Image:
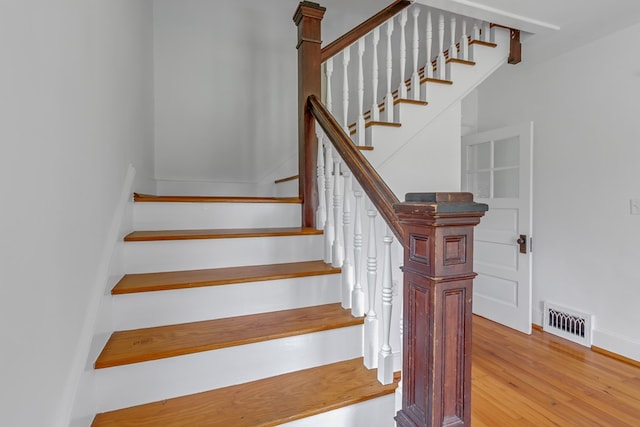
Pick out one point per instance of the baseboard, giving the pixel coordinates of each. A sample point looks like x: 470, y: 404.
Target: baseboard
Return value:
x: 94, y: 321
x: 611, y: 344
x: 616, y: 347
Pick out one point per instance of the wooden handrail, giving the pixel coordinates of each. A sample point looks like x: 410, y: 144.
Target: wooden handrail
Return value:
x: 363, y: 29
x: 373, y: 185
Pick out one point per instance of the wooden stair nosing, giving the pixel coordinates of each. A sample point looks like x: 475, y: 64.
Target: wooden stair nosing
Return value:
x: 171, y: 280
x: 266, y: 402
x: 145, y: 344
x: 148, y: 198
x: 222, y: 233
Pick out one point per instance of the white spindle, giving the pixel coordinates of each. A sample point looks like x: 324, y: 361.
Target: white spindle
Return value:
x: 464, y: 42
x: 428, y: 66
x: 375, y: 111
x: 337, y: 254
x: 346, y: 57
x: 360, y: 123
x: 402, y: 89
x: 357, y: 299
x: 385, y: 358
x: 440, y: 63
x: 388, y: 99
x: 321, y: 210
x: 347, y: 265
x: 328, y: 69
x: 398, y: 393
x: 453, y: 50
x: 486, y: 32
x: 475, y: 33
x: 329, y: 228
x: 371, y: 321
x: 415, y: 78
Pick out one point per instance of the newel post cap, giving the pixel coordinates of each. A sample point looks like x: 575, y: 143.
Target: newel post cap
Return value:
x: 439, y: 205
x: 310, y: 9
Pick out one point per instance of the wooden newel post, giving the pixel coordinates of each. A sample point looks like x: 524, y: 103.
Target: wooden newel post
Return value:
x: 308, y: 19
x: 438, y: 277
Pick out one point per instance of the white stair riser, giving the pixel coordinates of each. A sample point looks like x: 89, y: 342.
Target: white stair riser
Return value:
x: 147, y: 309
x: 174, y: 255
x: 138, y: 383
x: 189, y: 216
x: 377, y: 412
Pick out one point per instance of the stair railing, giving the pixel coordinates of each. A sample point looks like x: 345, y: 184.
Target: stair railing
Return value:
x: 430, y: 53
x: 435, y: 230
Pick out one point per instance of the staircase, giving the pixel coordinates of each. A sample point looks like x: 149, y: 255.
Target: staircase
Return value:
x: 231, y: 314
x: 234, y: 326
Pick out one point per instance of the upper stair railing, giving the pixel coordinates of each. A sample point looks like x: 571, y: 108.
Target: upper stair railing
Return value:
x: 434, y: 229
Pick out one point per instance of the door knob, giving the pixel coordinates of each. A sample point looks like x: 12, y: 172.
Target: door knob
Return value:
x: 522, y: 241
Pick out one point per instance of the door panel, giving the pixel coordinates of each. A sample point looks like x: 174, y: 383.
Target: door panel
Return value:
x: 497, y: 168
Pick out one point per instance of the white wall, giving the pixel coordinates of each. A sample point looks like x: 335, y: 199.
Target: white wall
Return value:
x: 226, y: 90
x: 75, y: 112
x: 586, y: 150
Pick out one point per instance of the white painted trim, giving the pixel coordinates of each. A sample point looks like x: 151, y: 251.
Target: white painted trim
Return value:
x: 82, y: 350
x: 492, y: 14
x: 616, y: 344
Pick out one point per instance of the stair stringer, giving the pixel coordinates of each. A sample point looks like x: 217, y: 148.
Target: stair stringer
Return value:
x: 415, y: 119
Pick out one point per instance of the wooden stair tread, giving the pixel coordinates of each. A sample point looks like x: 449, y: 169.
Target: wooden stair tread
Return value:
x: 214, y: 199
x: 162, y: 281
x: 151, y: 235
x: 139, y: 345
x: 267, y: 402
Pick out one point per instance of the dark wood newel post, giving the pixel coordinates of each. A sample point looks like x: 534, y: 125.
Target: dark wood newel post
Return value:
x: 438, y: 277
x: 308, y: 19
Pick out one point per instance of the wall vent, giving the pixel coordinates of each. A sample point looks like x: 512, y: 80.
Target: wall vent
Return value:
x: 567, y: 323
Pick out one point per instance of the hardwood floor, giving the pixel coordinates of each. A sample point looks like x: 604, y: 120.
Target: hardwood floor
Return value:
x: 542, y: 380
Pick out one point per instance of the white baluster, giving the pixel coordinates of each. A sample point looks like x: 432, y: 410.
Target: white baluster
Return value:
x: 321, y: 210
x: 385, y: 358
x: 440, y: 62
x: 415, y: 78
x: 347, y: 265
x: 464, y: 42
x: 357, y: 299
x: 402, y: 89
x: 486, y: 32
x: 329, y: 227
x: 360, y: 124
x: 375, y: 111
x: 428, y: 66
x: 398, y: 393
x: 346, y: 57
x: 328, y: 69
x: 337, y: 254
x: 453, y: 50
x: 371, y: 321
x: 388, y: 99
x: 475, y: 35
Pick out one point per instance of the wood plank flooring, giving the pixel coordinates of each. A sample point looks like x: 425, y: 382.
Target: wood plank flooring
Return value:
x: 146, y: 282
x: 541, y: 380
x: 224, y: 233
x: 262, y: 403
x: 159, y: 342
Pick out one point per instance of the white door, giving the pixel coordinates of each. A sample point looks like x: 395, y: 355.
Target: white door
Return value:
x: 497, y: 168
